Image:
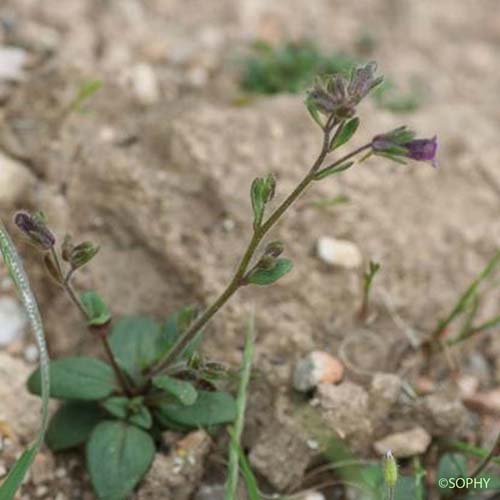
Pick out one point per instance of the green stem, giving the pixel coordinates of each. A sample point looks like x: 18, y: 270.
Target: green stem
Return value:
x: 484, y: 463
x: 258, y: 235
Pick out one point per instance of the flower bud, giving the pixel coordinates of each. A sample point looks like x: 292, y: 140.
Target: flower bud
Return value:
x: 82, y: 253
x: 390, y: 467
x: 33, y: 226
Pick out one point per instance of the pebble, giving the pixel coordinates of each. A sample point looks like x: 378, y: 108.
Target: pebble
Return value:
x: 12, y: 320
x: 341, y: 253
x: 30, y: 353
x: 15, y: 180
x: 404, y: 444
x: 211, y: 492
x: 316, y: 368
x: 485, y: 402
x: 142, y: 78
x: 12, y: 61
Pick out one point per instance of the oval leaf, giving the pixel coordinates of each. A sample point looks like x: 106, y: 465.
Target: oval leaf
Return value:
x: 97, y: 310
x: 137, y: 342
x: 118, y: 455
x: 77, y: 378
x: 268, y: 276
x: 345, y: 134
x: 210, y: 408
x: 183, y: 391
x: 72, y: 424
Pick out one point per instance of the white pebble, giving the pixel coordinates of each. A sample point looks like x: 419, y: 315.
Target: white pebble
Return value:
x: 144, y: 83
x: 340, y: 253
x: 31, y: 353
x: 316, y: 368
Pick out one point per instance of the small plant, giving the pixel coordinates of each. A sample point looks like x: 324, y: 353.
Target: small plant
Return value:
x: 155, y: 377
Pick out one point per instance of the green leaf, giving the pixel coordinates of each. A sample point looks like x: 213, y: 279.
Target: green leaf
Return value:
x: 142, y: 418
x: 118, y: 456
x: 345, y: 133
x: 268, y: 276
x: 18, y: 275
x: 210, y: 408
x: 451, y: 466
x: 137, y: 342
x: 72, y: 424
x: 333, y: 170
x: 16, y: 475
x: 261, y: 192
x: 132, y: 410
x: 313, y: 111
x: 77, y: 378
x: 117, y: 406
x: 183, y: 391
x: 97, y: 310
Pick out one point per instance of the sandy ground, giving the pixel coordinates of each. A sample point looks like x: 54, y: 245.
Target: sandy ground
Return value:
x: 158, y: 170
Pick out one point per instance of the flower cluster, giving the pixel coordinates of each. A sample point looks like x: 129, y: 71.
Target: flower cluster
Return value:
x: 335, y: 94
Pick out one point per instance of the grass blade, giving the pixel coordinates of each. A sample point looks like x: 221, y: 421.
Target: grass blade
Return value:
x: 235, y: 453
x: 18, y: 275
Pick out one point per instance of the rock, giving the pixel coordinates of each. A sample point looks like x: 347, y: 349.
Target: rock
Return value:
x: 30, y: 353
x: 281, y: 440
x: 12, y: 61
x: 404, y: 444
x: 468, y: 385
x: 484, y: 402
x: 384, y: 392
x: 144, y: 83
x: 444, y: 416
x: 316, y: 368
x: 345, y: 409
x: 341, y: 253
x: 12, y: 320
x: 175, y: 476
x: 212, y: 492
x: 15, y: 181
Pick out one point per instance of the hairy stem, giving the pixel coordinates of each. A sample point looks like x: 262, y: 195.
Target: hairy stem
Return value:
x: 259, y: 233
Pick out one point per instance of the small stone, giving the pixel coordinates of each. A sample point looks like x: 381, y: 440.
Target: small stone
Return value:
x: 3, y: 470
x: 345, y: 409
x: 318, y: 367
x: 445, y: 416
x: 404, y: 444
x: 15, y: 180
x: 341, y: 253
x: 484, y: 402
x: 12, y: 321
x: 468, y: 385
x: 144, y: 83
x: 30, y: 353
x: 41, y: 490
x: 211, y: 492
x: 12, y: 61
x: 384, y: 393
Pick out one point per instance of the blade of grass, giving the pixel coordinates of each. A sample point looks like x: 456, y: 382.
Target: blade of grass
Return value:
x: 235, y: 449
x: 18, y: 275
x: 246, y: 471
x: 464, y: 299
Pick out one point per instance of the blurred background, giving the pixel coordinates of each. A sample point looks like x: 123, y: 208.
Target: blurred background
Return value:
x: 141, y: 124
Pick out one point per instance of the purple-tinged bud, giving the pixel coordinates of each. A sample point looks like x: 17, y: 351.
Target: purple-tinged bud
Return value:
x: 401, y: 143
x: 34, y: 227
x: 423, y: 150
x: 363, y: 81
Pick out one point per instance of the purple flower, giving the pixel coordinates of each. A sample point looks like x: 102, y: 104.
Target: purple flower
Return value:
x: 422, y: 150
x: 401, y: 143
x: 34, y: 227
